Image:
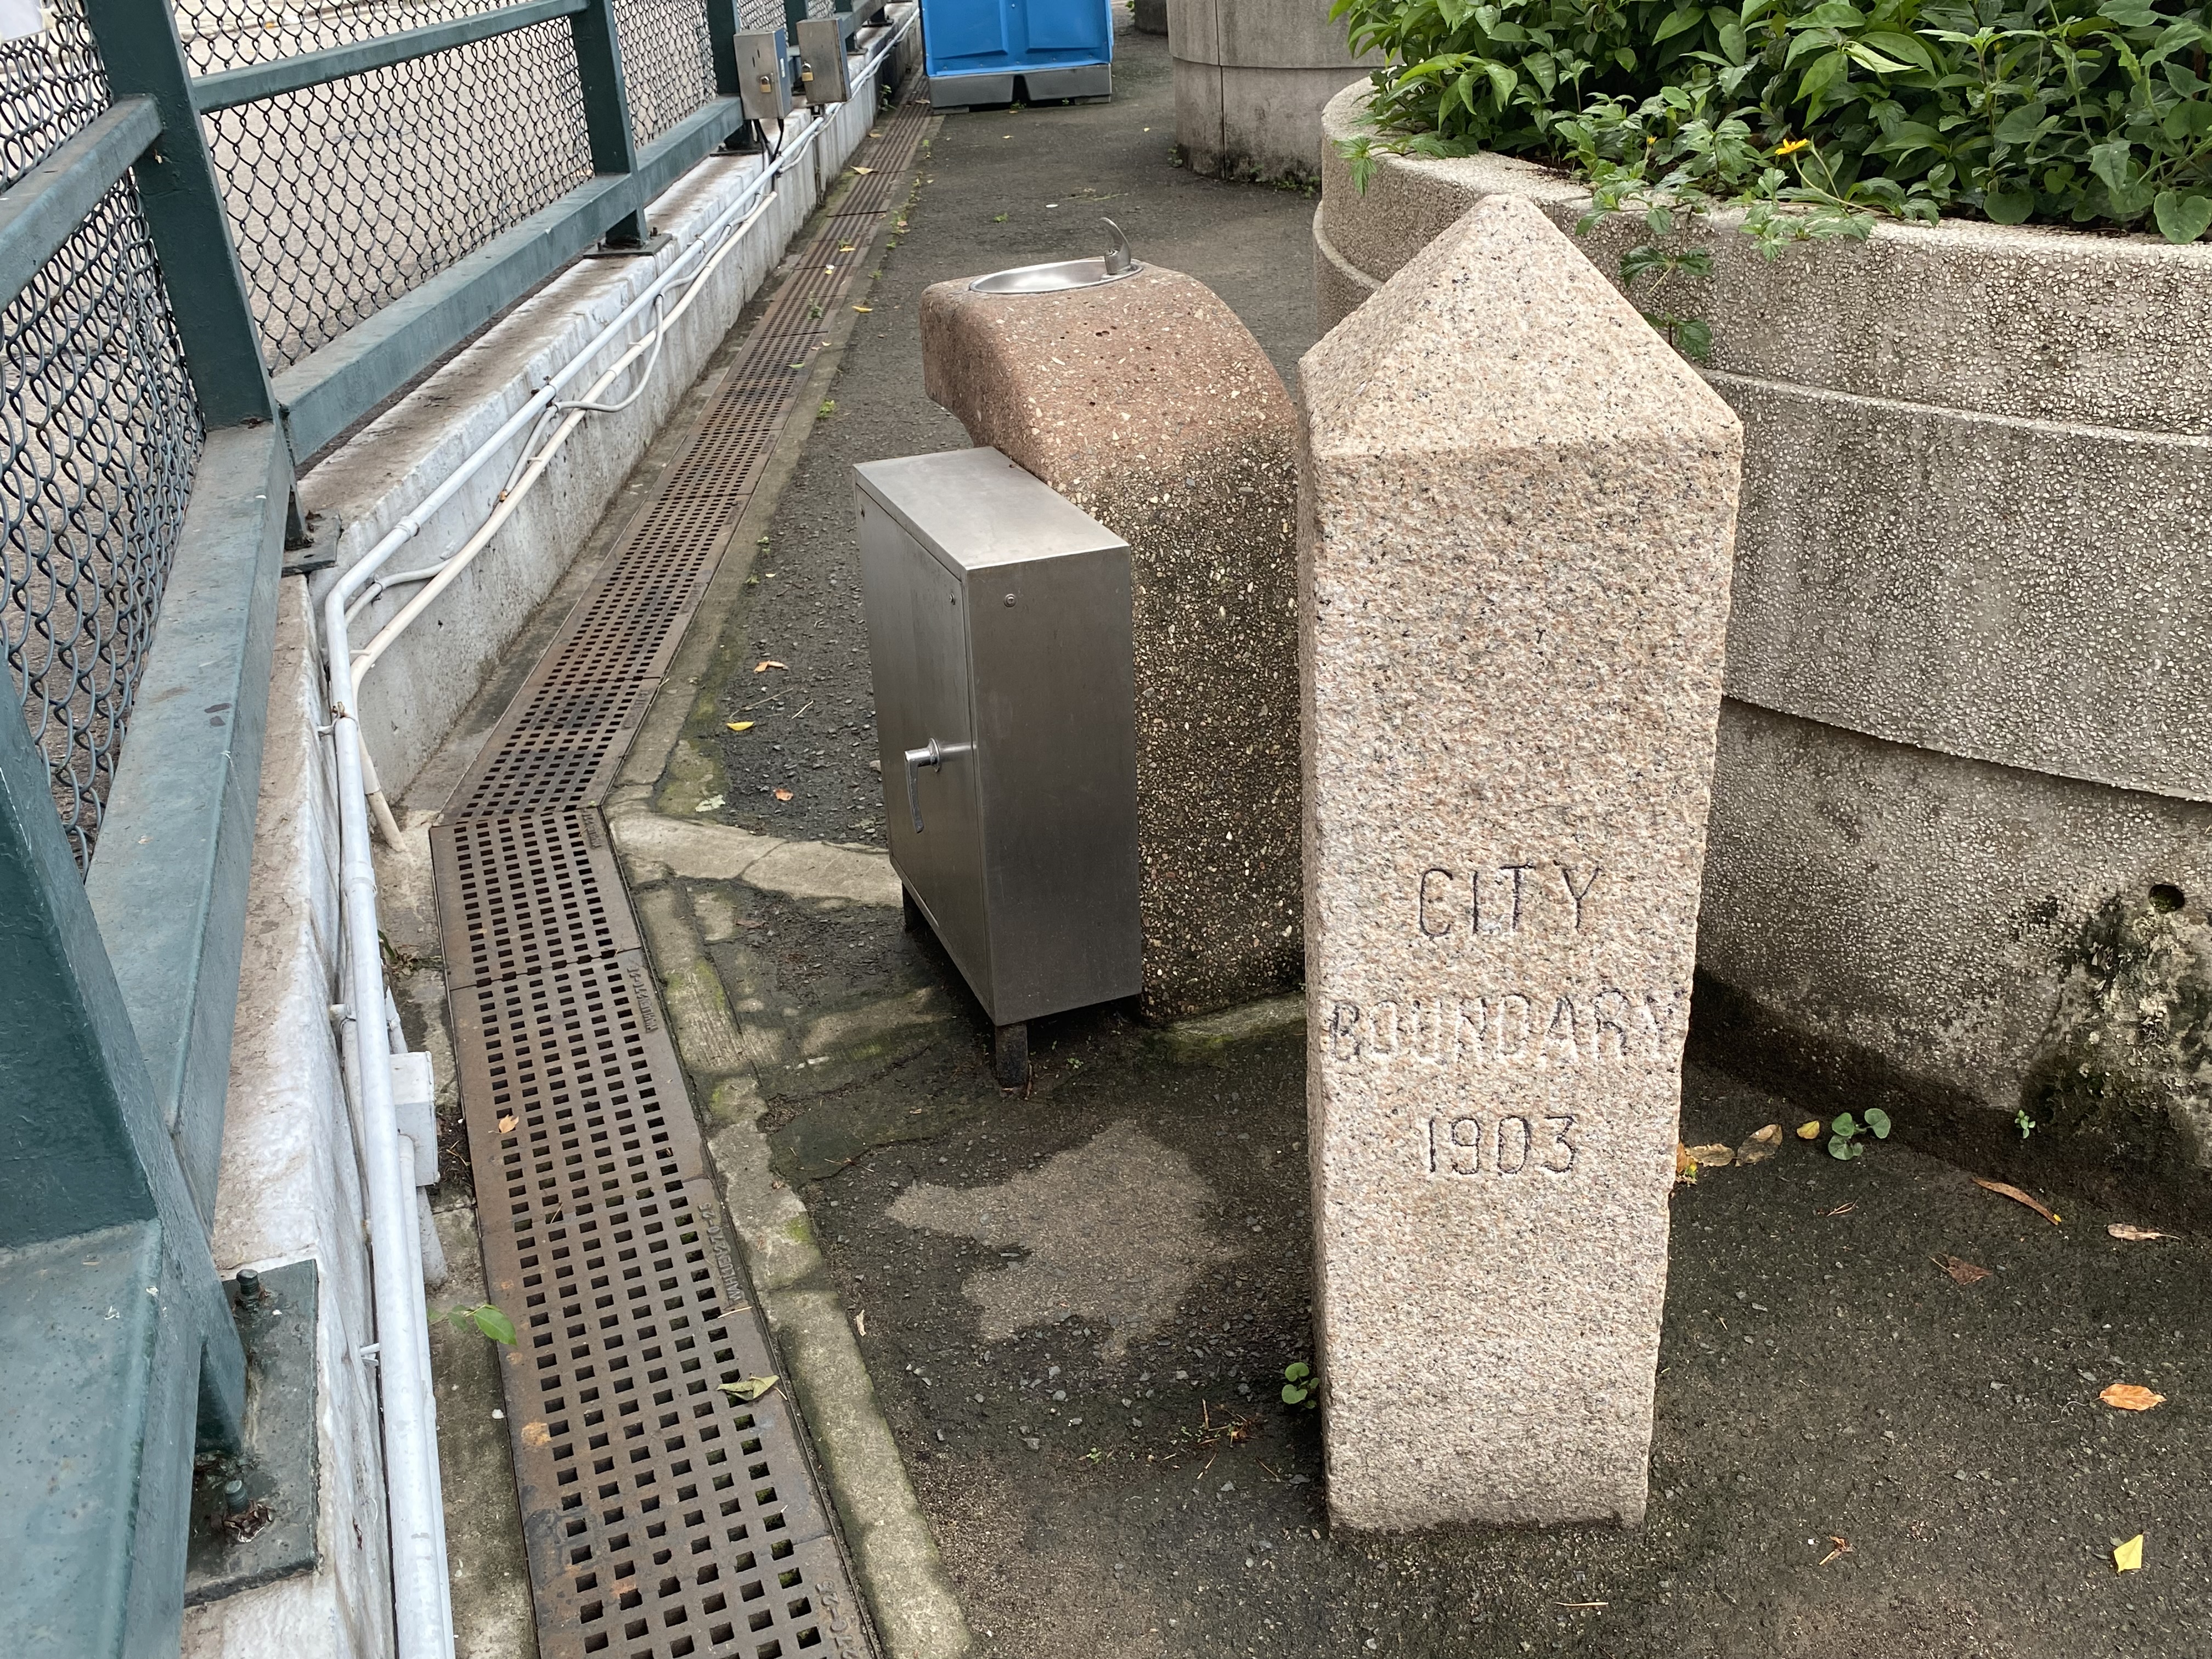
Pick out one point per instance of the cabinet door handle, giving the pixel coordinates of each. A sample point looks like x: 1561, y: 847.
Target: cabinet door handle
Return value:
x: 932, y: 754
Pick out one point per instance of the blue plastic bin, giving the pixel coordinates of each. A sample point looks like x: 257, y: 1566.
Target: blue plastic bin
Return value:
x: 974, y: 50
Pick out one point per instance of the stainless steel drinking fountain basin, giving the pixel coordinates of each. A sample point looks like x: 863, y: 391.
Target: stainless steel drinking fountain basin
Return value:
x: 1062, y: 274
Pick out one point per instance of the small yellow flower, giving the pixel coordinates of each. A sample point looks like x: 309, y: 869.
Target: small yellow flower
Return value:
x: 1793, y: 147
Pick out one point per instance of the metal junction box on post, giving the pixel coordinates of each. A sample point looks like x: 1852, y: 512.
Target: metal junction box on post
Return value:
x: 764, y: 74
x: 999, y: 628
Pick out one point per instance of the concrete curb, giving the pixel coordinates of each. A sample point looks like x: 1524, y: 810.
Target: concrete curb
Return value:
x: 1214, y: 1036
x: 892, y: 1551
x: 657, y: 845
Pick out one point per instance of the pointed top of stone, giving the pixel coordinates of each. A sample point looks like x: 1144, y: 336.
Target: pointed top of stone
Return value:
x: 1500, y: 334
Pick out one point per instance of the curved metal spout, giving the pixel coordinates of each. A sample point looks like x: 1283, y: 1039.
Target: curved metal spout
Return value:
x: 1118, y: 262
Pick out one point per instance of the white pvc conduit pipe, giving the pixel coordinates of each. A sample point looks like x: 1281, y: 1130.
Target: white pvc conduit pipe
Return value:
x: 421, y: 1591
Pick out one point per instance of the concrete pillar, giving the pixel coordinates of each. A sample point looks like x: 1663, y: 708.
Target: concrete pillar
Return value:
x: 1250, y: 79
x: 1515, y: 523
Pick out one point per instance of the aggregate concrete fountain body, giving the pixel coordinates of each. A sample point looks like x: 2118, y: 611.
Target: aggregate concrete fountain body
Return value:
x: 1145, y: 401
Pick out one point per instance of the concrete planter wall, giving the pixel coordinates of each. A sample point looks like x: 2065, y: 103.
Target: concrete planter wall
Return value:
x: 1250, y: 79
x: 1962, y: 836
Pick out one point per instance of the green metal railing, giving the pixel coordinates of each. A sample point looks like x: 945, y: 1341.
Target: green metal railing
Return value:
x: 119, y: 980
x: 148, y: 455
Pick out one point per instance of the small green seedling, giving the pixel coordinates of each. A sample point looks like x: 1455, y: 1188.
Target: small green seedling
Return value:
x: 750, y: 1389
x: 1844, y: 1133
x: 829, y: 407
x: 1301, y: 1386
x: 484, y: 1316
x: 2027, y: 1125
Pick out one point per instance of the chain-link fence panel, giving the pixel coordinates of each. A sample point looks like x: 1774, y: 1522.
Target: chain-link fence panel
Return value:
x: 344, y: 197
x: 668, y: 68
x: 99, y: 434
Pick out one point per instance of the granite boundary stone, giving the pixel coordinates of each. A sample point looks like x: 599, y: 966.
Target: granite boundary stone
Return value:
x: 1149, y: 405
x: 1514, y: 570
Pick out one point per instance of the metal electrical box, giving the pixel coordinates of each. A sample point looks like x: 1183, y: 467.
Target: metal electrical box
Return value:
x: 822, y: 76
x: 999, y: 630
x: 764, y: 74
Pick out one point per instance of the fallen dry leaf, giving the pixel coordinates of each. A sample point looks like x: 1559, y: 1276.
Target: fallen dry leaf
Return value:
x: 2123, y: 1230
x: 783, y: 794
x: 1685, y: 1167
x: 506, y: 1123
x: 2006, y: 1189
x: 767, y: 662
x: 1761, y: 1146
x: 861, y: 1322
x: 749, y: 1390
x: 1965, y: 1273
x: 864, y: 308
x: 1809, y: 1131
x: 1840, y: 1209
x: 1713, y: 1156
x: 536, y: 1434
x: 864, y: 170
x: 2130, y: 1397
x: 1843, y: 1547
x: 2128, y: 1557
x: 738, y: 726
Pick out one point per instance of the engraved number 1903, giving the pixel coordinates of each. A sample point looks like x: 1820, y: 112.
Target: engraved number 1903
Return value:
x: 1472, y: 1146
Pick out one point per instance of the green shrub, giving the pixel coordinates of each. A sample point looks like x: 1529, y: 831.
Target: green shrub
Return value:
x: 2056, y: 111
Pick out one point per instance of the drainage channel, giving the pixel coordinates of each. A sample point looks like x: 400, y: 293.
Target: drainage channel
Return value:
x: 663, y: 1515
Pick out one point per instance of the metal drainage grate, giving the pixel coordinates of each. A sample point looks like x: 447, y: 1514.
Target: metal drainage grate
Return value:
x: 557, y: 745
x: 528, y: 894
x: 663, y: 1516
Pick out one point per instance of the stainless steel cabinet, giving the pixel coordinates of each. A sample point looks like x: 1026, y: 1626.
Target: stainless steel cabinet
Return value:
x: 999, y: 632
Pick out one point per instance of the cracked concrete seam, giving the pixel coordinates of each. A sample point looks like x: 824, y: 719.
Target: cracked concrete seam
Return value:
x: 893, y: 1552
x: 657, y: 846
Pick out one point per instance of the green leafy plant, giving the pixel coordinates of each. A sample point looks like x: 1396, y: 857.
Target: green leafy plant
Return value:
x: 2027, y: 1125
x: 1301, y: 1385
x: 1814, y: 117
x: 1661, y: 262
x: 483, y: 1316
x: 1844, y: 1133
